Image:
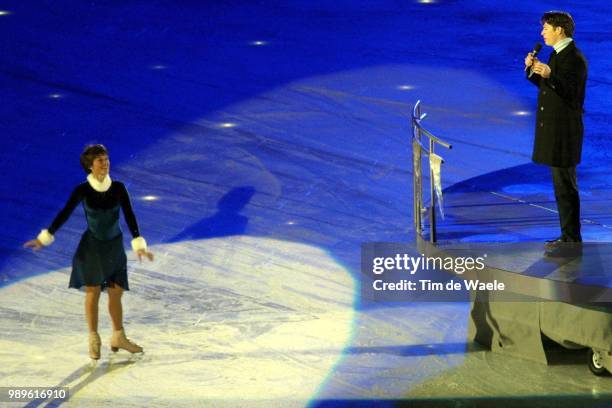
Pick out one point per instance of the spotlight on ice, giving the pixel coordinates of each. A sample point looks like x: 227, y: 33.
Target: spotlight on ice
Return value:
x: 520, y: 113
x: 259, y: 43
x: 405, y: 87
x: 55, y: 96
x: 150, y: 198
x: 227, y: 125
x: 4, y: 12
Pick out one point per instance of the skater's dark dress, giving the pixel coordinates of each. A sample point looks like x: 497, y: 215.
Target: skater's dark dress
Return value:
x: 100, y: 259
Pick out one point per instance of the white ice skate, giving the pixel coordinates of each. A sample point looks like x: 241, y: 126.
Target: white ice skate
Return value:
x: 94, y: 345
x: 119, y: 341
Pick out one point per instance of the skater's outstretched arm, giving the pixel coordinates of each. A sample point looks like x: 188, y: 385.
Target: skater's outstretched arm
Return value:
x: 46, y: 236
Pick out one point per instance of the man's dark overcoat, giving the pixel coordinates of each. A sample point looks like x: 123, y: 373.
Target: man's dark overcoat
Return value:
x: 559, y: 129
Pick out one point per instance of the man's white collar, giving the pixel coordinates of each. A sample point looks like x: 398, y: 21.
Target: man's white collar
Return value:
x: 99, y: 186
x: 561, y: 44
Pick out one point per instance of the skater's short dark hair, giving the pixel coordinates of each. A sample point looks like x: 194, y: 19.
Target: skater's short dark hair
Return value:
x: 89, y: 155
x: 561, y: 19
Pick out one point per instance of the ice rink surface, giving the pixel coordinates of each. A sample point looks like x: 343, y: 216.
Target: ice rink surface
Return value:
x: 262, y: 143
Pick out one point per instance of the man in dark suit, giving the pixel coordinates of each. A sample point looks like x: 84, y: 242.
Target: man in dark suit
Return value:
x: 559, y: 129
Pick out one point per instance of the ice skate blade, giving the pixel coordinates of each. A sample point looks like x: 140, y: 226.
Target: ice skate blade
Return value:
x: 116, y: 349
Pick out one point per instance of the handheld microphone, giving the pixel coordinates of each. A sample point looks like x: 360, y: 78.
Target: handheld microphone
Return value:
x: 534, y: 53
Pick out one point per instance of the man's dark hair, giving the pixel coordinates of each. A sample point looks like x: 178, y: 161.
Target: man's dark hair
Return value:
x: 561, y: 19
x: 89, y: 155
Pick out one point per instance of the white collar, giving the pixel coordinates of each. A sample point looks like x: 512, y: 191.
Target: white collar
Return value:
x: 561, y: 44
x: 99, y: 186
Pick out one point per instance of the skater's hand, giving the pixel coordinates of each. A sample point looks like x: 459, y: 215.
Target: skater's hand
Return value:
x: 145, y: 253
x: 35, y: 244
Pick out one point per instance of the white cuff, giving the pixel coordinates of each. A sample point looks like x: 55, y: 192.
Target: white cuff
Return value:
x: 45, y: 237
x: 138, y: 244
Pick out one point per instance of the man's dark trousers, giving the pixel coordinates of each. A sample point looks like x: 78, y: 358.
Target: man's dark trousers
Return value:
x: 568, y: 202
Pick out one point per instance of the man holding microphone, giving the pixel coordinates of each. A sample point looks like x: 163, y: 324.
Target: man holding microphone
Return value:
x: 559, y: 129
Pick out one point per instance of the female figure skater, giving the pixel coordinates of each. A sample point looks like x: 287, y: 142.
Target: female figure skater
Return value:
x: 100, y: 261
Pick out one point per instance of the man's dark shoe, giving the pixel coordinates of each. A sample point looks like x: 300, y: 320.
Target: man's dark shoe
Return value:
x: 564, y: 250
x: 553, y: 243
